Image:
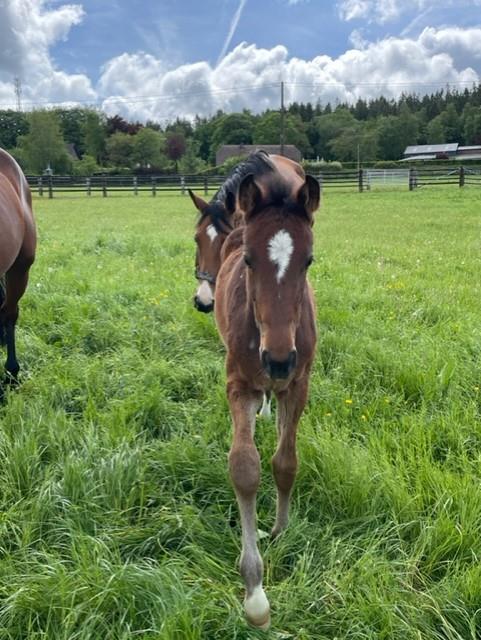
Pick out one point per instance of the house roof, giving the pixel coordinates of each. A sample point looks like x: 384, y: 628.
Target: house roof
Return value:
x: 431, y: 148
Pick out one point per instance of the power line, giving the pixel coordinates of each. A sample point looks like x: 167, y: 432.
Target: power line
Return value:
x: 166, y: 98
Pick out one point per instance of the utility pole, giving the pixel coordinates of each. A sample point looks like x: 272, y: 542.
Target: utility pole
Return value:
x: 282, y: 132
x: 18, y: 92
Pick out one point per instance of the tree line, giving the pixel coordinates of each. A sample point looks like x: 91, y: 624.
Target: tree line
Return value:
x: 85, y: 141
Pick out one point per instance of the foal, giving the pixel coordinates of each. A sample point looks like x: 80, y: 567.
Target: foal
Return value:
x: 266, y: 317
x: 17, y: 251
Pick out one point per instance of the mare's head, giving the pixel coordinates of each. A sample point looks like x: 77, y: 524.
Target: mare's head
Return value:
x: 278, y: 249
x: 213, y: 227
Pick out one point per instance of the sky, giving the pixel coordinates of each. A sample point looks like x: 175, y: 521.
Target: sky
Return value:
x: 164, y: 59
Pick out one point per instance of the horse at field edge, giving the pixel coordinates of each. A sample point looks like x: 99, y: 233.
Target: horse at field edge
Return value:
x: 265, y: 315
x: 17, y: 251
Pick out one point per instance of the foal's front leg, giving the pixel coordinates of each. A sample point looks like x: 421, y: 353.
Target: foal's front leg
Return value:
x: 244, y: 467
x: 290, y: 404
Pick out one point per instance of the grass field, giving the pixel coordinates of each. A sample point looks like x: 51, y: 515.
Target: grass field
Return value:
x: 117, y: 518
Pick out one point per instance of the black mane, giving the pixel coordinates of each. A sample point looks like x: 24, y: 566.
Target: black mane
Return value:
x: 256, y: 163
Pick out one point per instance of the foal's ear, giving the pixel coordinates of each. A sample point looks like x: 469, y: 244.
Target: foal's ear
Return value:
x: 250, y: 195
x: 309, y: 195
x: 230, y: 203
x: 199, y: 203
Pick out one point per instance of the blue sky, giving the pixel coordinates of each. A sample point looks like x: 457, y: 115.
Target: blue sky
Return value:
x: 162, y: 59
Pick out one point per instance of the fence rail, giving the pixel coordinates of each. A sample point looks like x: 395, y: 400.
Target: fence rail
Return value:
x: 360, y: 180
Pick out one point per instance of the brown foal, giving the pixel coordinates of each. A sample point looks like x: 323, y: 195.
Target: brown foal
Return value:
x: 265, y: 314
x: 17, y: 251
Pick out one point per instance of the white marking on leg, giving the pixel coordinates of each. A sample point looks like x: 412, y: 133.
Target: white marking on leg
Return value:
x: 257, y: 608
x: 204, y: 293
x: 280, y: 249
x: 211, y: 232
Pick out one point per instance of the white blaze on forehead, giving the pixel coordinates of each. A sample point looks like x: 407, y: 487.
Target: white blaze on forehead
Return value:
x: 211, y: 232
x: 280, y: 249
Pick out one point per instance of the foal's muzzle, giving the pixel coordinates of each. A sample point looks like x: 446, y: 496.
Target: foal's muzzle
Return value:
x: 278, y: 370
x: 200, y: 306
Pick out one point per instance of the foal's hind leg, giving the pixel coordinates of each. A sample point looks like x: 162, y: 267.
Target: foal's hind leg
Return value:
x: 244, y: 467
x: 290, y: 405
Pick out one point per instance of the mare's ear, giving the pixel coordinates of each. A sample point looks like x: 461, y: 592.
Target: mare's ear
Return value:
x: 309, y: 195
x: 230, y: 203
x: 250, y: 195
x: 199, y: 203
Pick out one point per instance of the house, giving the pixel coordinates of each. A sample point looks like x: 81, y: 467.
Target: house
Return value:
x: 450, y: 151
x: 235, y: 150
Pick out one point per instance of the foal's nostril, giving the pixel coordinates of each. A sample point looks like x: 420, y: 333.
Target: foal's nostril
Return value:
x: 278, y: 369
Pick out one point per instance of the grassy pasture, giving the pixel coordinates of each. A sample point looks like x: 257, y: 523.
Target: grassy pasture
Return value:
x: 117, y: 519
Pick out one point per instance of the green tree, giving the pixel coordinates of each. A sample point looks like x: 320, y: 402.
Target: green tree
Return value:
x: 328, y: 127
x: 435, y: 131
x: 191, y: 162
x: 472, y: 124
x: 43, y: 146
x: 451, y: 124
x: 357, y: 138
x: 95, y: 135
x: 395, y: 133
x: 234, y: 128
x: 148, y: 146
x: 12, y: 125
x: 120, y: 147
x: 267, y: 130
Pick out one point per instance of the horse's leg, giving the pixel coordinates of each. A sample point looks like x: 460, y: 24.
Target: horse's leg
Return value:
x: 290, y: 405
x: 16, y: 281
x: 244, y: 467
x: 2, y: 300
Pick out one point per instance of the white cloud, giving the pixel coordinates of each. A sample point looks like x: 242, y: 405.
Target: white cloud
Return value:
x: 27, y: 30
x: 383, y: 11
x: 248, y: 77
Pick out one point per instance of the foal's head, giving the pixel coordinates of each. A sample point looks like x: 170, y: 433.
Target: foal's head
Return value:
x: 277, y: 252
x: 213, y: 227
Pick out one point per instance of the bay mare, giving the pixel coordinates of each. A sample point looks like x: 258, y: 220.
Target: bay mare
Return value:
x: 17, y: 251
x: 218, y: 218
x: 266, y: 317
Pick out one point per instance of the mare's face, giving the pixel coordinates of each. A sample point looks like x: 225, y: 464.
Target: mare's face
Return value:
x: 277, y: 252
x: 209, y: 239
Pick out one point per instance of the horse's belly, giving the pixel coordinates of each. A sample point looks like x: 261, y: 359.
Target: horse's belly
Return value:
x: 12, y: 228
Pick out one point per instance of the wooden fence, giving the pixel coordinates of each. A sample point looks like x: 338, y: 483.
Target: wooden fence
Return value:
x: 359, y: 180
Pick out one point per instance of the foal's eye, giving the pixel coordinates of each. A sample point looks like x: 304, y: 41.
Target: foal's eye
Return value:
x: 309, y: 261
x: 247, y: 260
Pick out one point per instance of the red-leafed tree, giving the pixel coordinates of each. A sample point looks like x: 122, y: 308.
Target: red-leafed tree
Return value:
x: 175, y: 146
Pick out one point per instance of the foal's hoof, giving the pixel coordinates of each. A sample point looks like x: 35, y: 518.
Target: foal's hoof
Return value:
x: 257, y: 609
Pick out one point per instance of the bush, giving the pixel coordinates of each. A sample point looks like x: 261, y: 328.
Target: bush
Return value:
x: 387, y: 164
x: 311, y: 166
x: 87, y: 166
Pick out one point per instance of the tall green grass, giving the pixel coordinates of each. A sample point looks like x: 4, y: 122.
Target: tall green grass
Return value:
x: 117, y: 518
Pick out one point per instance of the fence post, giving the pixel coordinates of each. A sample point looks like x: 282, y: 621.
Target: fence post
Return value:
x: 135, y: 183
x: 182, y: 185
x: 50, y: 187
x: 40, y: 186
x: 154, y: 188
x: 206, y: 185
x: 360, y: 180
x: 461, y: 176
x: 104, y: 185
x: 411, y: 179
x: 87, y: 184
